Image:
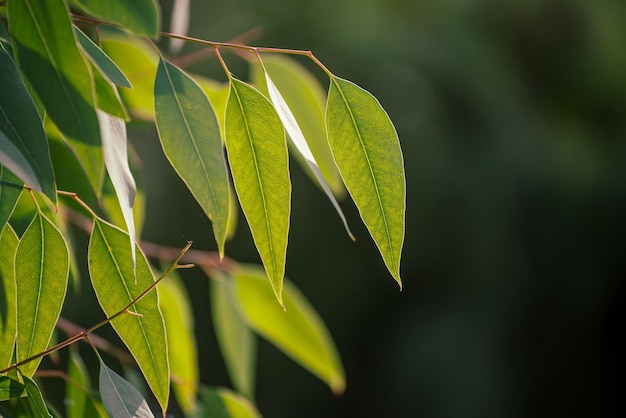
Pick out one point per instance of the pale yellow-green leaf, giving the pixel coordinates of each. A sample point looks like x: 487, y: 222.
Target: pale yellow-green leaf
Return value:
x: 224, y: 403
x: 8, y: 294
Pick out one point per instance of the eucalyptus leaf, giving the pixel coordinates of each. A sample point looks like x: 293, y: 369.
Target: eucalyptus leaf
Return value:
x: 298, y: 330
x: 107, y: 97
x: 101, y: 60
x: 41, y: 269
x: 78, y: 399
x: 116, y: 284
x: 139, y: 16
x: 35, y: 399
x: 10, y: 388
x: 367, y: 151
x: 10, y: 189
x: 120, y: 398
x: 8, y: 294
x: 190, y: 136
x: 23, y: 146
x: 257, y: 153
x: 224, y: 403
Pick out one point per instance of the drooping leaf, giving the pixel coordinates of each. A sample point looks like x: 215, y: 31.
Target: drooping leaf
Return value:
x: 10, y: 189
x: 108, y: 98
x: 101, y: 60
x: 8, y: 295
x: 300, y: 143
x: 181, y: 343
x: 257, y: 153
x: 78, y: 399
x: 114, y: 146
x: 306, y: 98
x: 41, y: 270
x: 23, y: 146
x: 190, y: 136
x: 298, y: 330
x: 367, y: 151
x: 45, y: 47
x: 139, y: 16
x: 224, y: 403
x: 10, y: 388
x: 236, y: 341
x: 35, y: 399
x: 179, y: 24
x: 116, y: 285
x: 120, y: 398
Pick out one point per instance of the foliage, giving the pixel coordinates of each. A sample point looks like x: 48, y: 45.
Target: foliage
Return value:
x: 70, y: 83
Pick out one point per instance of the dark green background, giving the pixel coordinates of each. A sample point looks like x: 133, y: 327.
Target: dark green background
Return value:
x: 511, y: 119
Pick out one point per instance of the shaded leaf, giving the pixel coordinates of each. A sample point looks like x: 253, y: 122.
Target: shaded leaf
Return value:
x: 8, y: 295
x: 224, y: 403
x: 120, y: 398
x: 298, y: 331
x: 78, y: 399
x: 115, y: 149
x: 116, y: 285
x: 10, y: 189
x: 10, y: 388
x: 179, y: 24
x: 42, y: 269
x: 23, y: 145
x: 139, y: 16
x: 45, y: 47
x: 35, y: 399
x: 367, y: 151
x: 190, y: 136
x: 181, y: 343
x: 236, y: 341
x: 101, y: 60
x: 257, y: 153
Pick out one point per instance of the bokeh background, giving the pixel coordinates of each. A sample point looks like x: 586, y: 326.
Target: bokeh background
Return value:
x: 511, y: 116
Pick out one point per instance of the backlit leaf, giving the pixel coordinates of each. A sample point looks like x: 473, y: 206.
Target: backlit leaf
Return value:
x: 367, y: 151
x: 10, y: 190
x: 116, y: 285
x: 257, y: 153
x: 8, y: 295
x: 10, y: 388
x: 107, y: 97
x: 35, y: 399
x: 236, y: 341
x: 45, y: 47
x: 224, y: 403
x: 298, y: 330
x: 139, y: 16
x: 101, y: 60
x: 42, y: 268
x: 190, y: 136
x: 181, y: 343
x: 23, y: 146
x: 120, y: 398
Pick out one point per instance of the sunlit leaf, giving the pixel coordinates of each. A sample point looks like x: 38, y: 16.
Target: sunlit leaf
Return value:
x: 367, y: 151
x: 179, y: 24
x: 236, y: 341
x: 120, y: 399
x: 301, y: 145
x: 257, y: 153
x: 10, y: 189
x: 10, y: 388
x: 298, y: 330
x: 8, y: 295
x: 23, y: 146
x: 217, y: 93
x: 224, y: 403
x: 35, y: 399
x: 101, y: 60
x: 116, y: 285
x: 181, y: 343
x: 139, y: 16
x: 108, y: 98
x: 42, y: 268
x: 190, y: 136
x: 45, y: 47
x: 78, y: 399
x: 306, y: 98
x: 114, y: 146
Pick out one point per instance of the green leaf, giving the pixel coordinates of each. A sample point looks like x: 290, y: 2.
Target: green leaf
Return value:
x: 8, y: 294
x: 115, y: 284
x: 298, y: 331
x: 10, y: 388
x: 78, y: 400
x: 35, y: 399
x: 217, y: 93
x: 190, y: 136
x: 45, y: 47
x: 236, y: 341
x: 181, y: 343
x: 306, y: 98
x: 42, y: 269
x: 257, y: 153
x: 224, y: 403
x: 367, y: 151
x: 139, y: 16
x: 107, y: 97
x: 120, y: 398
x: 101, y: 60
x: 10, y: 189
x: 23, y: 146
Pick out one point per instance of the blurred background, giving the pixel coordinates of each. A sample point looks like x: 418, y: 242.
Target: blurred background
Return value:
x: 511, y: 119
